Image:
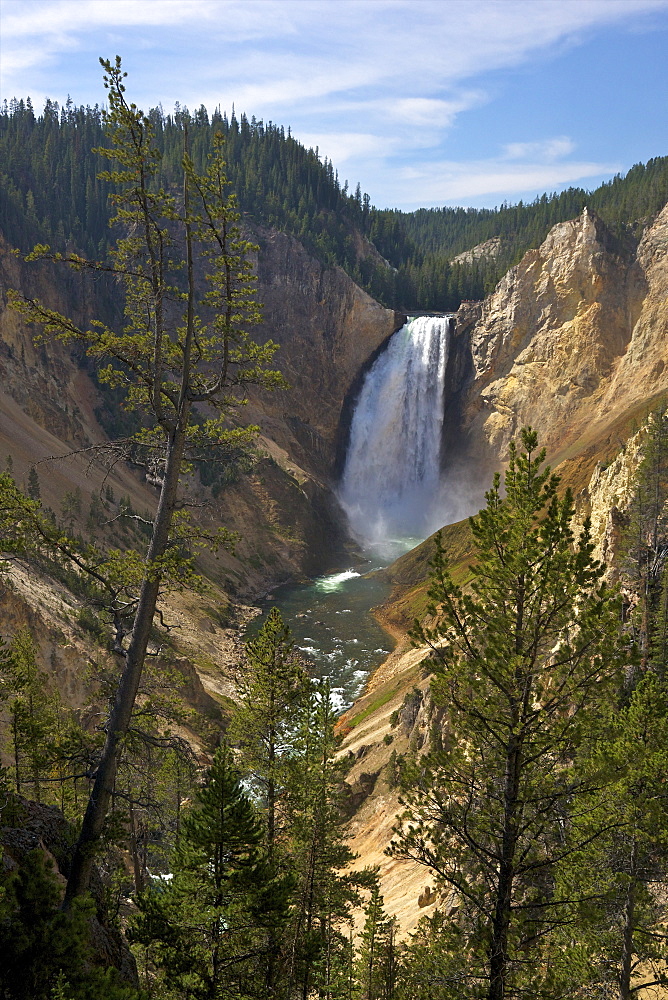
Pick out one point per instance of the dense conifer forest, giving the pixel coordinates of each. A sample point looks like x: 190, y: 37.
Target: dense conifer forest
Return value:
x: 51, y: 193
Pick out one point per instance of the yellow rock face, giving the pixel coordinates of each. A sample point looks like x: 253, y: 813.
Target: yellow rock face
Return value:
x: 573, y: 336
x: 573, y: 341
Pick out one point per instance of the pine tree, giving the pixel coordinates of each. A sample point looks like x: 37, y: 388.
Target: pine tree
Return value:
x: 524, y: 661
x: 165, y: 364
x: 270, y: 689
x: 32, y: 715
x: 376, y: 957
x: 615, y: 938
x: 33, y: 491
x: 646, y: 544
x: 43, y: 739
x: 317, y: 853
x: 283, y: 729
x: 207, y: 927
x: 43, y: 951
x: 434, y: 961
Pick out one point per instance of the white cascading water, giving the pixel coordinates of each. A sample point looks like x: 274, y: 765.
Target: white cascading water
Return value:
x: 391, y: 481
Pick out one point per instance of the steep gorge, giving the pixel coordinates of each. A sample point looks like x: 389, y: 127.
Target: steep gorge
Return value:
x: 282, y: 508
x: 572, y: 341
x: 326, y: 329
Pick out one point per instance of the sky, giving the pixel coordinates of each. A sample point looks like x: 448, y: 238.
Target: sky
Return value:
x: 423, y: 102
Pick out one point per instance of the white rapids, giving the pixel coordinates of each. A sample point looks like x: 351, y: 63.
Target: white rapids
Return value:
x: 390, y: 488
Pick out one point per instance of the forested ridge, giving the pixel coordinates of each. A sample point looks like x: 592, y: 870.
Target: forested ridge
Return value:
x: 51, y: 193
x: 420, y: 244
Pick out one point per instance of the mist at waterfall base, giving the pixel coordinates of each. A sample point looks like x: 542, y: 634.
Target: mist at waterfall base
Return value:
x: 391, y: 487
x: 392, y: 493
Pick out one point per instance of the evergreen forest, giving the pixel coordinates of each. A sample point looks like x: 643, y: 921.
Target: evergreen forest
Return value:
x: 538, y: 804
x: 51, y: 192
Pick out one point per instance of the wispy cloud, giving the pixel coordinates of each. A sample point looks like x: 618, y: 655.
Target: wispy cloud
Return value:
x: 430, y: 112
x: 356, y: 43
x: 341, y: 147
x: 455, y: 181
x: 364, y: 80
x: 547, y: 151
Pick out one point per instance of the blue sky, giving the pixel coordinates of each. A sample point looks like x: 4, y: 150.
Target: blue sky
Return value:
x: 424, y: 102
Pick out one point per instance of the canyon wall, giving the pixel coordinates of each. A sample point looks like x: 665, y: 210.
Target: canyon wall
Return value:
x: 284, y: 511
x: 572, y: 339
x: 327, y: 328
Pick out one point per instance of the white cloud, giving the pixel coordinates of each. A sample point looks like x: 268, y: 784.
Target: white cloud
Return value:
x: 406, y: 45
x: 432, y: 112
x: 548, y: 150
x: 340, y: 147
x: 65, y: 18
x: 448, y: 181
x: 363, y: 80
x: 270, y: 84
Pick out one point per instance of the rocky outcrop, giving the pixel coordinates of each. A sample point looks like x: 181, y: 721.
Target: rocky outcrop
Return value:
x: 572, y: 338
x: 327, y: 328
x: 489, y: 248
x: 642, y: 372
x: 608, y: 496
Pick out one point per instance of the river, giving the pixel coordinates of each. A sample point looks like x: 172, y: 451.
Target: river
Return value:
x: 332, y: 626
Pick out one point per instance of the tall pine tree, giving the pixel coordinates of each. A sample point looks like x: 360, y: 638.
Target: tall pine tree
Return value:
x: 208, y: 927
x: 524, y: 660
x: 166, y: 361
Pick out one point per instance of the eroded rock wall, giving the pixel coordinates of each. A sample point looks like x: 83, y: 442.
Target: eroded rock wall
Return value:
x: 326, y: 328
x: 572, y: 337
x: 574, y: 341
x: 284, y: 512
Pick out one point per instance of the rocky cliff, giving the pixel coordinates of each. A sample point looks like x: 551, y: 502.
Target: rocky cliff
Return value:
x: 326, y: 328
x: 572, y: 339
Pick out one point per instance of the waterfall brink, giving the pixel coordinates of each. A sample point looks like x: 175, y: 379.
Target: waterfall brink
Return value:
x: 391, y: 480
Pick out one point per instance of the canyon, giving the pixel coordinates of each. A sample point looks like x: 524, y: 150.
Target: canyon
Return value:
x: 573, y: 341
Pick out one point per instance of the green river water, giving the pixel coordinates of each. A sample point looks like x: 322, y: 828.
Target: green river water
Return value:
x: 333, y: 628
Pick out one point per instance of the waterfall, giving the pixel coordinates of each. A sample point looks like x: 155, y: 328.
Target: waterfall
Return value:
x: 391, y: 480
